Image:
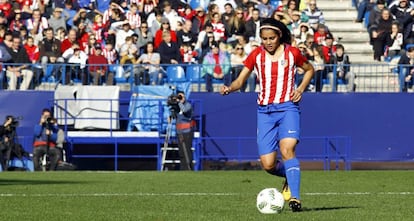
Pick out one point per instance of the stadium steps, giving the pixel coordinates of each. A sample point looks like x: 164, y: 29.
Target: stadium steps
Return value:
x: 339, y: 16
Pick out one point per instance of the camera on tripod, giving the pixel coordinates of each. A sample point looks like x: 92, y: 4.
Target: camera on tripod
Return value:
x: 172, y: 103
x: 49, y: 123
x: 15, y: 121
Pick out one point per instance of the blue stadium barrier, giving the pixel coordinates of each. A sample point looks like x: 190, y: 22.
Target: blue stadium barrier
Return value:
x: 328, y: 149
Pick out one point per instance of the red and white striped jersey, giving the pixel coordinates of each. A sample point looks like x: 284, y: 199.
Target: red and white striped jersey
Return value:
x: 276, y: 78
x: 134, y: 20
x: 110, y: 55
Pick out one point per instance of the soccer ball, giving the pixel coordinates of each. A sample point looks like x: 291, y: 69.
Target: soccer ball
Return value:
x: 270, y: 201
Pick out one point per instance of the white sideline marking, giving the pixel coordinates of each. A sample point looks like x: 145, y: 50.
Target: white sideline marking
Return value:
x: 183, y: 194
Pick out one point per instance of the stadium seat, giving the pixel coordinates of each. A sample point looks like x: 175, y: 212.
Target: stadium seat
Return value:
x: 175, y: 74
x: 194, y: 74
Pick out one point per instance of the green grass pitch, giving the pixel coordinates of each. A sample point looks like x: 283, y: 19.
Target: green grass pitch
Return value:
x: 206, y: 195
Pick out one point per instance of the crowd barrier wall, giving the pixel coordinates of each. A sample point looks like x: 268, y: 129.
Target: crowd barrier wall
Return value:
x: 379, y: 124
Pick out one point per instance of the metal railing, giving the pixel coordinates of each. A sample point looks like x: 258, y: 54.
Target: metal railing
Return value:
x: 381, y: 77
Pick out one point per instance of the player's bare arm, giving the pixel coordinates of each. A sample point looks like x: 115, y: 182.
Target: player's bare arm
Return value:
x: 309, y: 71
x: 236, y: 84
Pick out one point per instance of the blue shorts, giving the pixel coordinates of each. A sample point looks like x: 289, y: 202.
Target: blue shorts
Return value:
x: 275, y: 122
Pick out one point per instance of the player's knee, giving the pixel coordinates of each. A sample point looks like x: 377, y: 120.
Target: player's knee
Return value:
x: 269, y: 167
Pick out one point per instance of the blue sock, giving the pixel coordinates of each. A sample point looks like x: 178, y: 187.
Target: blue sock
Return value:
x: 278, y: 170
x: 293, y: 176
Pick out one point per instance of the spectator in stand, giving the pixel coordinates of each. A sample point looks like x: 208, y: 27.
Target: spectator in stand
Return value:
x: 53, y: 69
x: 188, y: 54
x: 329, y: 48
x: 33, y: 53
x: 36, y: 25
x: 265, y: 8
x: 6, y: 8
x: 128, y: 52
x: 133, y: 17
x: 121, y: 30
x: 394, y: 41
x: 364, y: 7
x: 146, y: 7
x: 318, y: 61
x: 296, y: 20
x: 380, y: 31
x: 253, y: 26
x: 402, y: 12
x: 237, y: 27
x: 340, y: 60
x: 47, y: 46
x: 169, y: 50
x: 76, y: 59
x: 114, y: 12
x: 32, y: 50
x: 70, y: 13
x: 155, y: 21
x: 374, y: 16
x: 83, y: 36
x: 57, y: 20
x: 206, y: 41
x: 406, y: 68
x: 17, y: 23
x: 150, y: 61
x: 98, y: 67
x: 144, y: 36
x: 219, y: 30
x: 21, y: 66
x: 186, y: 13
x: 70, y: 40
x: 391, y: 3
x: 111, y: 56
x: 320, y: 34
x: 314, y: 14
x: 216, y: 65
x: 236, y: 59
x: 305, y: 50
x: 291, y: 7
x: 227, y: 15
x: 198, y: 20
x: 282, y: 17
x: 303, y: 31
x: 98, y: 28
x: 212, y: 8
x: 82, y: 17
x: 171, y: 14
x: 89, y: 49
x: 185, y: 35
x: 165, y: 28
x: 221, y: 4
x: 60, y: 34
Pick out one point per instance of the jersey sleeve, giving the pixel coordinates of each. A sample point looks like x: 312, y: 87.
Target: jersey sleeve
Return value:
x: 299, y: 58
x: 250, y: 61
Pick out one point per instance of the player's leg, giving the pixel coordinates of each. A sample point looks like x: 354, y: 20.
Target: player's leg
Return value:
x: 289, y: 133
x: 267, y: 143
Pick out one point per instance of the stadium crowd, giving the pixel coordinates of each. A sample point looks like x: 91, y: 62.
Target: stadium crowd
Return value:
x: 106, y: 40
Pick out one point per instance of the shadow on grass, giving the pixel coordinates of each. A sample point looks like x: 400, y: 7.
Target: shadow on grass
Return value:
x: 37, y: 182
x: 329, y: 208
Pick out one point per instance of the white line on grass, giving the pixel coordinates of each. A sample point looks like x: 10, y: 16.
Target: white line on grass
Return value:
x: 181, y: 194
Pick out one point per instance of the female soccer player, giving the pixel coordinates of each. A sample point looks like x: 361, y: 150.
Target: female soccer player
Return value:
x: 278, y: 112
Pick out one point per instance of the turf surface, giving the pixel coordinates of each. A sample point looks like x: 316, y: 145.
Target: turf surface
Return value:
x: 207, y: 195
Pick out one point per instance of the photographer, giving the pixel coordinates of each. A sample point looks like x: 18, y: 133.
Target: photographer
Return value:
x: 182, y: 111
x: 45, y: 135
x: 6, y: 137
